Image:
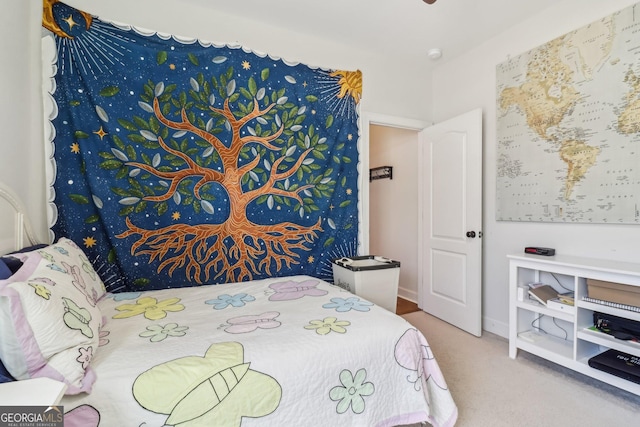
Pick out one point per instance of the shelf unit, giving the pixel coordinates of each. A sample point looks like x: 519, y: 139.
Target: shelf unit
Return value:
x: 566, y: 338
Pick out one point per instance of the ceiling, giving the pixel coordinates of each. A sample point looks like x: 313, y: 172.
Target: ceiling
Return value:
x: 389, y: 27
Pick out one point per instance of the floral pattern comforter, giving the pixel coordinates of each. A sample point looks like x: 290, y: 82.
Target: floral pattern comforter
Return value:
x: 277, y: 352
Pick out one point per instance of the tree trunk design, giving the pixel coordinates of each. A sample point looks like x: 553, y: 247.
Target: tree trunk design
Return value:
x: 237, y: 248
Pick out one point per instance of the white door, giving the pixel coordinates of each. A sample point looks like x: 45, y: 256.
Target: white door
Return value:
x: 450, y: 221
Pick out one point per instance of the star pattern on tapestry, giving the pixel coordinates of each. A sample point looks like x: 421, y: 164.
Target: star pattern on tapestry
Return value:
x: 196, y: 163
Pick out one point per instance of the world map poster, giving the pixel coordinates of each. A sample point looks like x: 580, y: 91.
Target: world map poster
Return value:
x: 568, y: 127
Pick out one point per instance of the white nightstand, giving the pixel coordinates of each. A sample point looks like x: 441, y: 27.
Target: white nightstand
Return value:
x: 32, y: 392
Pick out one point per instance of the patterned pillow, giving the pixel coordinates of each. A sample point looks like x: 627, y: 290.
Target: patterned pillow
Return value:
x: 49, y: 319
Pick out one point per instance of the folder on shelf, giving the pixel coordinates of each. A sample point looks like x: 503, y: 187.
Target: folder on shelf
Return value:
x: 543, y: 293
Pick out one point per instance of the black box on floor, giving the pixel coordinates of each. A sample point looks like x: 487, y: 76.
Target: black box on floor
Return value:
x: 616, y: 363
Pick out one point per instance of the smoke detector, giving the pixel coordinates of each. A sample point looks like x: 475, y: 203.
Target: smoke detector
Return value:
x: 434, y: 53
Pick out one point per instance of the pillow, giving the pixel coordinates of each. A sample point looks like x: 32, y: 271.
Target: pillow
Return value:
x: 29, y: 248
x: 5, y: 376
x: 5, y: 271
x: 12, y: 263
x: 49, y: 319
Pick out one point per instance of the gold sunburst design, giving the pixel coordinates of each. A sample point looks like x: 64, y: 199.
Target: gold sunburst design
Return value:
x: 49, y: 22
x: 350, y: 83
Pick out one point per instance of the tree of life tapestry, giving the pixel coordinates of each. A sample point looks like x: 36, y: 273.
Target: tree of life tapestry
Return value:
x: 181, y: 162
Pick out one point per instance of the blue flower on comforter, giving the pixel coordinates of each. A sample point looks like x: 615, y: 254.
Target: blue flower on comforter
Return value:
x: 352, y: 303
x: 225, y: 300
x: 123, y: 296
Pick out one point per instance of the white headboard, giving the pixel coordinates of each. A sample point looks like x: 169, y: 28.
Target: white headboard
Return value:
x: 15, y: 229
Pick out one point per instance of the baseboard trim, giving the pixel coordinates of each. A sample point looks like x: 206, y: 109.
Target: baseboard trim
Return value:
x: 488, y: 324
x: 409, y: 295
x: 495, y: 327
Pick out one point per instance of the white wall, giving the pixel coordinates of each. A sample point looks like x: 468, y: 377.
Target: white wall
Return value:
x: 468, y: 82
x: 384, y: 92
x: 21, y: 155
x: 393, y: 207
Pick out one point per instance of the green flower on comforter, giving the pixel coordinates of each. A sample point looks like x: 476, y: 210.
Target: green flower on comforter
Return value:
x: 351, y: 392
x: 159, y: 332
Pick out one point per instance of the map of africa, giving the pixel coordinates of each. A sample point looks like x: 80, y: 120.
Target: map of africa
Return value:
x: 568, y: 127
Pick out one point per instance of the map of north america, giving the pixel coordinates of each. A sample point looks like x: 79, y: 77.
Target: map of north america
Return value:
x: 568, y: 127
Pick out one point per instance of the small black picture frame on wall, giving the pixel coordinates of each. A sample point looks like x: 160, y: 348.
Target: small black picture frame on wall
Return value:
x: 381, y: 172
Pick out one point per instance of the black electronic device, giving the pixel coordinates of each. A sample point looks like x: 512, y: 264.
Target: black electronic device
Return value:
x: 616, y: 363
x: 537, y: 250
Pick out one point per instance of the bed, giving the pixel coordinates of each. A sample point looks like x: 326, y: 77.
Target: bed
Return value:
x: 280, y: 351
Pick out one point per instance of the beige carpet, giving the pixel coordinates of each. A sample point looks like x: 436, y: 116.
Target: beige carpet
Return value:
x: 492, y: 390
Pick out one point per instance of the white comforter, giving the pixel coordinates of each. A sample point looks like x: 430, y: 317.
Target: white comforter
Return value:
x: 276, y: 352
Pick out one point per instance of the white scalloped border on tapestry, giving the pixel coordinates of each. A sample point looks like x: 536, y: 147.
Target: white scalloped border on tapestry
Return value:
x: 50, y: 109
x: 204, y: 43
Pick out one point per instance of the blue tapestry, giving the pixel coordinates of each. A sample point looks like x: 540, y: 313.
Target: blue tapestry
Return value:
x: 180, y: 162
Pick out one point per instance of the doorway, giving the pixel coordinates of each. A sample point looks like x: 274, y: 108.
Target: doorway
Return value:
x: 455, y: 145
x: 391, y: 208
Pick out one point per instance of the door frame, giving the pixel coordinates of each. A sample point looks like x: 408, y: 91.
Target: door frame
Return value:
x: 368, y: 119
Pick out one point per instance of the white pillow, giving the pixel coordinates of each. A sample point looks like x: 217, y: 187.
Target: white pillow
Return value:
x: 49, y: 320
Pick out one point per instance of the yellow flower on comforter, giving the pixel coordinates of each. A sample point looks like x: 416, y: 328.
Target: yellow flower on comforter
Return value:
x: 150, y: 307
x: 323, y: 327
